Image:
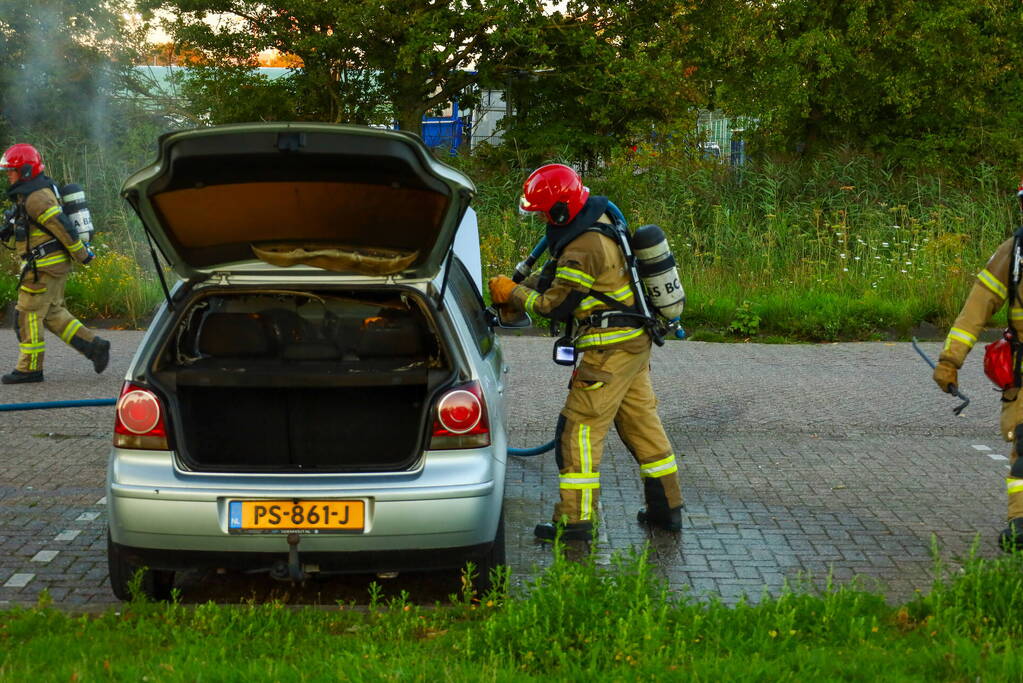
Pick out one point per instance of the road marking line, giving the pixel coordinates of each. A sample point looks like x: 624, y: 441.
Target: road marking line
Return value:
x: 87, y: 516
x: 69, y: 535
x: 982, y: 448
x: 995, y: 456
x: 45, y: 555
x: 19, y: 580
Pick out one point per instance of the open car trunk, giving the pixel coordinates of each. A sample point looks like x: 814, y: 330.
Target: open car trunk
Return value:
x: 274, y: 380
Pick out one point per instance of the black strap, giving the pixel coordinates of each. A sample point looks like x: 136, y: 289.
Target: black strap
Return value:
x: 1010, y: 331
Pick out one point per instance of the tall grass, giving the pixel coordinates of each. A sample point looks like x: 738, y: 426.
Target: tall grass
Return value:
x: 839, y: 247
x: 578, y: 620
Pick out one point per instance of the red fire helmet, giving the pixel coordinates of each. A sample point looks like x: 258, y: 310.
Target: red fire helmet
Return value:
x: 24, y: 159
x: 556, y: 191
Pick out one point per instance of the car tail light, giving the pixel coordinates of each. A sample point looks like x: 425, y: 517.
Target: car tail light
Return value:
x: 139, y: 421
x: 460, y: 419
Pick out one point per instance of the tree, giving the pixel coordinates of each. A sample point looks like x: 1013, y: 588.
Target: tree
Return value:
x: 603, y: 75
x: 924, y: 80
x: 59, y: 62
x: 358, y: 56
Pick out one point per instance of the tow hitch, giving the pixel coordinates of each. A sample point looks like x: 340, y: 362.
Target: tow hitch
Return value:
x: 293, y: 570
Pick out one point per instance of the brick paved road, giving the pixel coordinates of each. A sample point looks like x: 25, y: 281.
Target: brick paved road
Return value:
x: 800, y: 462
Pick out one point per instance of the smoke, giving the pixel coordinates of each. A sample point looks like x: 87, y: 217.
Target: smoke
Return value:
x: 58, y: 87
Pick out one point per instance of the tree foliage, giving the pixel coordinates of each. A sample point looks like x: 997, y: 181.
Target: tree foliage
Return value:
x: 933, y: 81
x: 605, y: 74
x: 358, y: 57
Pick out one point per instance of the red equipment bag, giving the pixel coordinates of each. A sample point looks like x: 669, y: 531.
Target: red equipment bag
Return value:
x: 998, y: 363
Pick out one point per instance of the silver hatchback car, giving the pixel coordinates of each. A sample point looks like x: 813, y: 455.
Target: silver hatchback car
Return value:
x: 321, y: 391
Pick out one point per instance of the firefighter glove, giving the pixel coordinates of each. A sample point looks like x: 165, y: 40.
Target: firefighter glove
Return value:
x: 500, y: 289
x: 946, y: 376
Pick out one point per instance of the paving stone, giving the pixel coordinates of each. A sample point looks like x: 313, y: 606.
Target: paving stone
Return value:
x: 801, y: 466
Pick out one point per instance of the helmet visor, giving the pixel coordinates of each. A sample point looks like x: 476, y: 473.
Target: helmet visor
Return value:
x: 525, y: 208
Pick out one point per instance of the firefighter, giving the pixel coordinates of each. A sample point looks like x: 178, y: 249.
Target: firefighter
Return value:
x: 989, y: 293
x: 611, y: 383
x: 46, y: 246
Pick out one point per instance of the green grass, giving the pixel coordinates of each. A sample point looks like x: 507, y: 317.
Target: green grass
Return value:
x: 576, y: 621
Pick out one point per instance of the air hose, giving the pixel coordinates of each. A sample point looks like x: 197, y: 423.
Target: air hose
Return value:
x: 83, y: 403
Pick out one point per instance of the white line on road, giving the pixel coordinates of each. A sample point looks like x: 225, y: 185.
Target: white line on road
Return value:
x: 69, y: 535
x: 982, y: 448
x: 87, y: 516
x: 19, y: 580
x: 995, y: 456
x: 45, y: 555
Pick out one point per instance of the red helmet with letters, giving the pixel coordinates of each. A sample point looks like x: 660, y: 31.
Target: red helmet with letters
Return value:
x: 556, y: 191
x: 24, y: 159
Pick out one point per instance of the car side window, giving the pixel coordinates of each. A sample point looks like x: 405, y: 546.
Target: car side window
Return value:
x: 470, y: 301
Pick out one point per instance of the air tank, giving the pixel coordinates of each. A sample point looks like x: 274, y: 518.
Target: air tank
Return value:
x: 656, y: 266
x: 72, y: 196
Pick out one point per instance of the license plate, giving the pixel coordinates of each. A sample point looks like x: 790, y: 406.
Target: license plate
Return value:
x: 286, y: 516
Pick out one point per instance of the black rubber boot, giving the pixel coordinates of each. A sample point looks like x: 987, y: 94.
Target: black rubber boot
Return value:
x: 1011, y: 538
x: 19, y: 377
x: 669, y: 521
x: 548, y: 531
x: 98, y: 351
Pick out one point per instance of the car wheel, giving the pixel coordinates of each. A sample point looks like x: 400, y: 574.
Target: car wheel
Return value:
x: 490, y: 560
x: 156, y: 584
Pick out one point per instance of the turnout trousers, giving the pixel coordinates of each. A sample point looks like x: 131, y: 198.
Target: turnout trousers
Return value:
x: 612, y: 386
x: 41, y: 303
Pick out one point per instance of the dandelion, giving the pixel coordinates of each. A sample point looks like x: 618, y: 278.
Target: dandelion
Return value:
x: 856, y: 258
x: 841, y: 255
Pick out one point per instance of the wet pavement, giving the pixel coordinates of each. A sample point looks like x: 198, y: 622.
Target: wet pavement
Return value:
x: 802, y: 464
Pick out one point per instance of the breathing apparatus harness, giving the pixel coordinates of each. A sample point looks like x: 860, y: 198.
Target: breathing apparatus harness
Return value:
x: 642, y: 312
x: 17, y: 222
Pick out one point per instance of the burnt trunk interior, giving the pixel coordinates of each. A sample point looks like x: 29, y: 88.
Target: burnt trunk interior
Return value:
x: 298, y: 381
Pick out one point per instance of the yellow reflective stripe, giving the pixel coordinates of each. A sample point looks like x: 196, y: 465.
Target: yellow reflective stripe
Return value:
x: 26, y: 288
x: 585, y: 464
x: 623, y: 295
x: 531, y: 301
x: 77, y: 246
x: 37, y: 347
x: 1014, y: 485
x: 659, y: 468
x: 595, y: 385
x: 37, y: 233
x: 59, y: 257
x: 48, y: 214
x: 580, y: 480
x: 1016, y: 313
x: 70, y: 330
x: 601, y: 338
x: 573, y: 275
x: 33, y: 327
x: 992, y: 283
x: 961, y: 336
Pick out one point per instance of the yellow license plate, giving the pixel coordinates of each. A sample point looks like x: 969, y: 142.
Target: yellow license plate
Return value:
x: 311, y: 516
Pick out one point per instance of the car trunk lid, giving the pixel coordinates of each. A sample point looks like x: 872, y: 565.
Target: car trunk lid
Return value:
x: 301, y: 197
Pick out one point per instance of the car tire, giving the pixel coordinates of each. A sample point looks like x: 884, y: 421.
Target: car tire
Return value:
x: 490, y: 560
x: 156, y: 584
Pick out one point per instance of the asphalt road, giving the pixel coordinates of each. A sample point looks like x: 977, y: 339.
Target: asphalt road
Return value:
x: 802, y: 464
